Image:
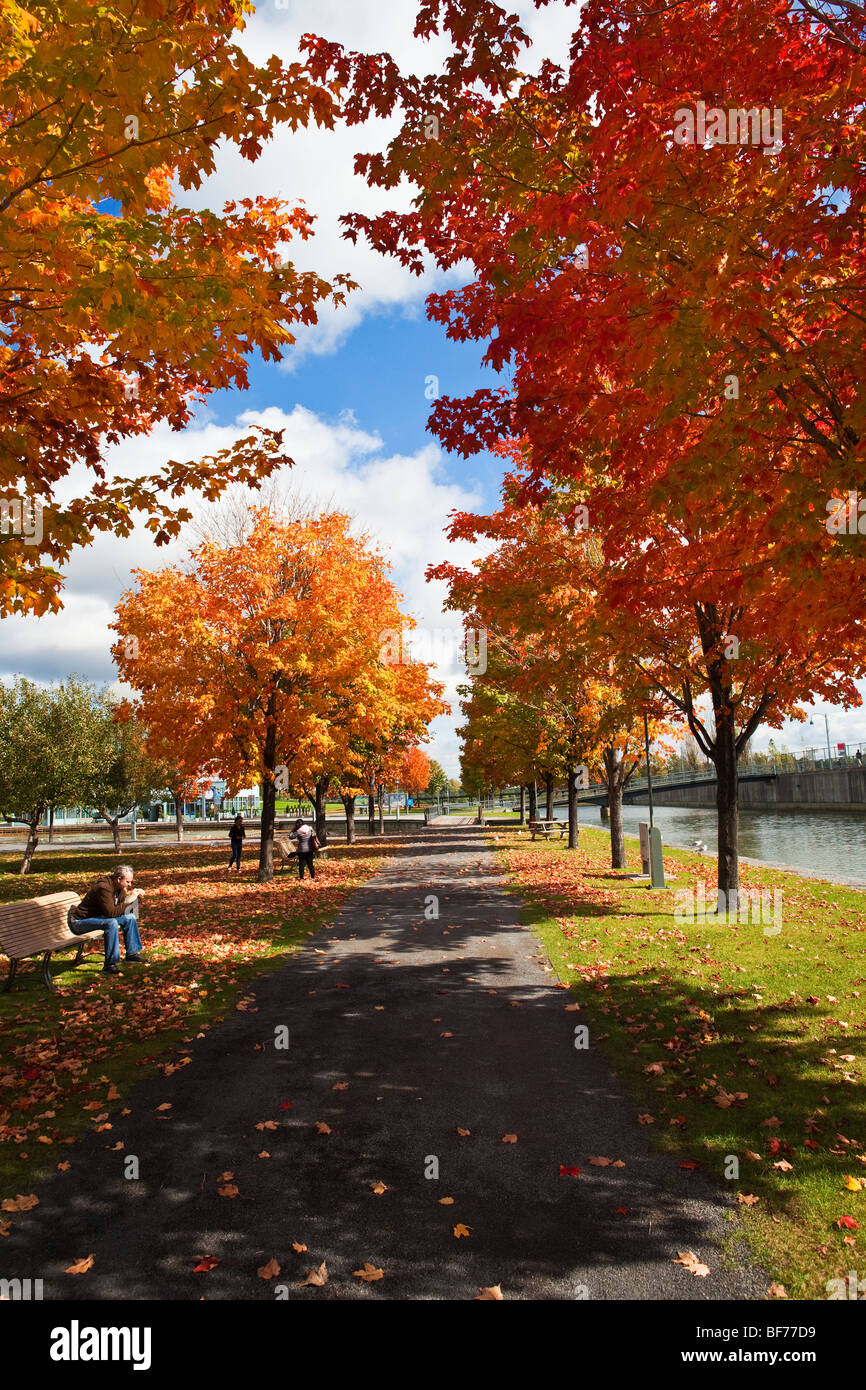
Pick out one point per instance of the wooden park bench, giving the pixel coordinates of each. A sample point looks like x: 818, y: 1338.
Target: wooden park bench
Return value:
x: 548, y: 828
x: 39, y: 927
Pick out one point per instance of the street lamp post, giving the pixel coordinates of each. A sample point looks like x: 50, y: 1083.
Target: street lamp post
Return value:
x: 827, y: 728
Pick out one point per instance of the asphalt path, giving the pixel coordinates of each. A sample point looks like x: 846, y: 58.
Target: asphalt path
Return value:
x: 404, y: 1028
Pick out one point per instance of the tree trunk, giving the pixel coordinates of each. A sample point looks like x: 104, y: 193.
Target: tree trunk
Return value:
x: 522, y: 804
x: 533, y: 801
x: 573, y: 831
x: 321, y: 805
x: 51, y: 826
x: 32, y: 841
x: 728, y: 811
x: 269, y: 804
x: 548, y: 785
x: 349, y: 803
x: 613, y: 781
x: 381, y: 804
x: 371, y: 811
x: 178, y: 816
x: 113, y: 823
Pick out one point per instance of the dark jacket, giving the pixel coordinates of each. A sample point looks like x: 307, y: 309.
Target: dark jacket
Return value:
x: 237, y: 834
x: 100, y: 900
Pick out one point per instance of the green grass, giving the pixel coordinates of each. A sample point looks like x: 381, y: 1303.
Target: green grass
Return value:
x: 725, y: 1010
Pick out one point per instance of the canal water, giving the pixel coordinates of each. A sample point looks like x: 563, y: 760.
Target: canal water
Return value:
x: 820, y: 844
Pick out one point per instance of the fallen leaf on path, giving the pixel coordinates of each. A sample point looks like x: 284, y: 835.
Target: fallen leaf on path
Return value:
x: 322, y: 1127
x: 622, y: 1211
x: 461, y: 1230
x: 747, y: 1199
x: 63, y: 1167
x: 19, y: 1203
x: 566, y: 1172
x: 655, y: 1069
x: 572, y: 1008
x: 598, y: 1162
x: 230, y: 1190
x: 464, y: 1132
x: 264, y: 1154
x: 206, y: 1264
x: 509, y: 1139
x: 446, y: 1201
x: 646, y: 1119
x: 226, y: 1177
x: 378, y: 1187
x: 777, y: 1291
x: 340, y: 1086
x: 266, y: 1124
x: 369, y: 1274
x: 298, y: 1248
x: 318, y: 1277
x: 689, y: 1260
x: 688, y: 1163
x: 80, y: 1266
x: 491, y: 1295
x: 269, y: 1271
x: 166, y: 1105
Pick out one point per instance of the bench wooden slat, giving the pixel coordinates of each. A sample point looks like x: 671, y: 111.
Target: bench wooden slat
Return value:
x: 39, y: 924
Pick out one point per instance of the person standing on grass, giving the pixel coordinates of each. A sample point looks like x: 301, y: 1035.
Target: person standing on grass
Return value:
x: 112, y: 905
x: 307, y: 846
x: 237, y: 835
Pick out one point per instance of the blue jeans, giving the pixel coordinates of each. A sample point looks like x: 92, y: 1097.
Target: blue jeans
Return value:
x: 236, y: 847
x: 112, y: 926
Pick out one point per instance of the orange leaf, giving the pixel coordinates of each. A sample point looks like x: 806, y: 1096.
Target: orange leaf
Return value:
x: 491, y: 1295
x: 318, y: 1277
x: 81, y: 1266
x: 269, y: 1271
x: 690, y: 1261
x: 461, y: 1230
x: 369, y: 1274
x: 19, y: 1203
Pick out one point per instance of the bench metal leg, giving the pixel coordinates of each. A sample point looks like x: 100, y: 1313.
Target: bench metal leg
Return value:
x: 79, y: 954
x: 13, y: 971
x: 46, y: 972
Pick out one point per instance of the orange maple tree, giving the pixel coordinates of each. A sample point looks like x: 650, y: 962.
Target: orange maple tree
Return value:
x: 120, y: 307
x: 277, y: 663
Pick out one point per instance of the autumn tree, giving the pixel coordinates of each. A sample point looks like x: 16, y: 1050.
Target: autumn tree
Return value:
x: 120, y: 306
x: 123, y: 774
x: 273, y: 627
x: 48, y: 752
x: 680, y: 319
x: 414, y: 776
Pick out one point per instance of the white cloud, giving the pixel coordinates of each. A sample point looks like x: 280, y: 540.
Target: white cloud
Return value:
x: 402, y: 501
x: 316, y: 166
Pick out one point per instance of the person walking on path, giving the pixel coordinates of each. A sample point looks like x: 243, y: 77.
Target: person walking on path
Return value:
x: 237, y: 834
x: 111, y: 904
x: 307, y: 846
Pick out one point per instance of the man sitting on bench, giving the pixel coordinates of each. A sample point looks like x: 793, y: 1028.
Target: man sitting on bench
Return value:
x: 111, y: 904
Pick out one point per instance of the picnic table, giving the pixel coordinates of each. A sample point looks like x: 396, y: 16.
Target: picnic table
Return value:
x: 547, y: 828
